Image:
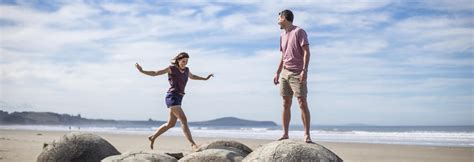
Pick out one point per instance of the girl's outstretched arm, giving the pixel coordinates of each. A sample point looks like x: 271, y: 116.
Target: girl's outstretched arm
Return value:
x: 153, y: 73
x: 195, y: 77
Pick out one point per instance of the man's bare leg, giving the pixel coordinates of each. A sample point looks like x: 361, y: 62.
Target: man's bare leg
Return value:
x: 162, y: 129
x: 286, y: 116
x: 306, y: 116
x: 179, y: 113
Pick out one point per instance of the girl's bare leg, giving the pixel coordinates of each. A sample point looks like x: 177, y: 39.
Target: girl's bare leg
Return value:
x: 178, y: 112
x: 163, y: 128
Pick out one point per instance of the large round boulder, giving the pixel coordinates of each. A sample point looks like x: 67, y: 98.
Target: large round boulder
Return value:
x: 78, y: 147
x: 214, y: 155
x: 142, y: 156
x: 227, y: 145
x: 291, y: 150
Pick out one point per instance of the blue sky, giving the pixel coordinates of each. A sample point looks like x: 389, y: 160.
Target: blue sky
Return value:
x: 373, y: 62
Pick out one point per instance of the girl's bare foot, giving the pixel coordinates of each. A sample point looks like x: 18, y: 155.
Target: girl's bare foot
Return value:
x: 194, y: 147
x: 307, y: 139
x: 151, y: 141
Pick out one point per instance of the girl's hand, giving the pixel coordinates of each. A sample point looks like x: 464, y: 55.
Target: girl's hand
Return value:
x: 209, y: 76
x: 138, y: 67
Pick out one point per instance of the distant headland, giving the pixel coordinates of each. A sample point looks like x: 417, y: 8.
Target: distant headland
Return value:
x: 50, y: 118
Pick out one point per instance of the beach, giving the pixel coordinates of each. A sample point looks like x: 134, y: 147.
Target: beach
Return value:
x: 26, y: 145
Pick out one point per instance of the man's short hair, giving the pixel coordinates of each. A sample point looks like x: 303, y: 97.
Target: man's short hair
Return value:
x: 287, y: 14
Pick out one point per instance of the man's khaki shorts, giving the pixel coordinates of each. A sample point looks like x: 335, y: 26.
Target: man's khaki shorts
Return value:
x: 290, y: 84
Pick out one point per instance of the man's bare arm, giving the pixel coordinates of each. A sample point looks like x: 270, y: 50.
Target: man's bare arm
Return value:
x: 306, y: 56
x: 280, y: 67
x: 304, y: 72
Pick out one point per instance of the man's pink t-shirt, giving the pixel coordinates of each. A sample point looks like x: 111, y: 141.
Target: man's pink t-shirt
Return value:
x: 291, y: 45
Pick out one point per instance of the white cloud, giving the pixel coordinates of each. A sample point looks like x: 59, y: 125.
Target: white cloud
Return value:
x: 212, y: 10
x: 433, y: 27
x: 234, y: 22
x: 184, y: 12
x: 345, y: 6
x: 351, y: 47
x: 451, y: 5
x: 433, y: 35
x: 122, y: 8
x: 339, y: 6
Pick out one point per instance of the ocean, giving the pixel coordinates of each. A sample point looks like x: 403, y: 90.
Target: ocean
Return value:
x: 458, y: 136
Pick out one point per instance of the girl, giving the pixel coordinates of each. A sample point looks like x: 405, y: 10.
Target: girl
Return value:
x: 178, y: 75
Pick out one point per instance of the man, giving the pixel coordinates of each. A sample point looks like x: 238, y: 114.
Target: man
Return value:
x: 292, y: 71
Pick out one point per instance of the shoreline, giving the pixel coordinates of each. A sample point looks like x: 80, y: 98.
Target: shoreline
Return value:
x: 26, y: 145
x: 435, y: 138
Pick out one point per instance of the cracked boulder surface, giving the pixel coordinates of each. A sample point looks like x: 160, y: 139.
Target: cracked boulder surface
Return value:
x: 78, y: 147
x: 219, y: 150
x: 292, y: 150
x: 140, y: 156
x: 214, y: 155
x: 227, y: 145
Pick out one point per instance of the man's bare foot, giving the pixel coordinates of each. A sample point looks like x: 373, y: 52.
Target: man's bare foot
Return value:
x: 284, y: 137
x: 194, y: 147
x: 152, y: 141
x: 307, y: 139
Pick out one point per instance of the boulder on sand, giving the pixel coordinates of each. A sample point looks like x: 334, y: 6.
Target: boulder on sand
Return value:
x: 215, y: 155
x: 78, y: 147
x: 220, y: 150
x: 292, y: 150
x: 140, y: 156
x: 227, y: 145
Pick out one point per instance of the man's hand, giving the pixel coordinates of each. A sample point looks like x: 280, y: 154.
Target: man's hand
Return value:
x: 138, y: 67
x: 209, y: 76
x: 275, y: 79
x: 303, y: 76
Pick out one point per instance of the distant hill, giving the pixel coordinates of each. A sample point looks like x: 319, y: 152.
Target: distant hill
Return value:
x: 49, y: 118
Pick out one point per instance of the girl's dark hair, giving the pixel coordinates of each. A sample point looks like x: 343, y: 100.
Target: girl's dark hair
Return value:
x: 180, y: 56
x: 287, y: 14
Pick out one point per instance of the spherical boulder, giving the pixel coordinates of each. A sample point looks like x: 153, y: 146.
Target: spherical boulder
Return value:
x: 215, y: 155
x: 227, y: 145
x: 291, y: 150
x: 140, y: 156
x: 78, y: 147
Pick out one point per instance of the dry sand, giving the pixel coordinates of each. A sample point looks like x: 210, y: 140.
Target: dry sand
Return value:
x: 26, y: 145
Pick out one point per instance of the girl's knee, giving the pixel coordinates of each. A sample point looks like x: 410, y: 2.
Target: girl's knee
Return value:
x: 183, y: 120
x: 170, y: 124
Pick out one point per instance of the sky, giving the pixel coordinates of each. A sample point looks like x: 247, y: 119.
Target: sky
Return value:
x: 372, y: 62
